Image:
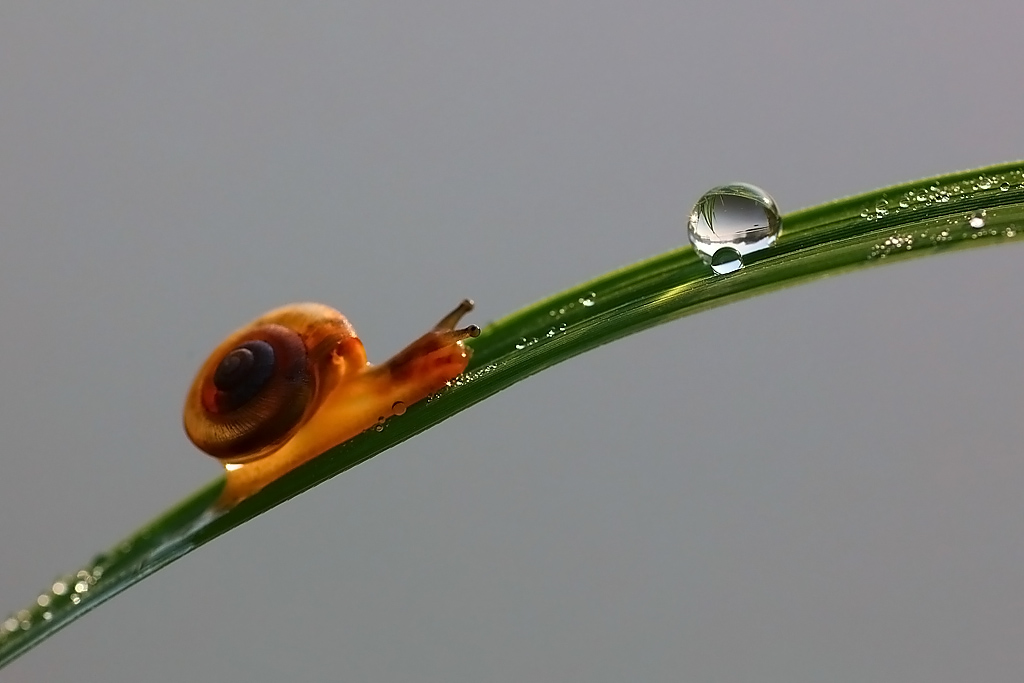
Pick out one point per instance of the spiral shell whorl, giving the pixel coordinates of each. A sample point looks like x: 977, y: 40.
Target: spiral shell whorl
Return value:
x: 250, y: 394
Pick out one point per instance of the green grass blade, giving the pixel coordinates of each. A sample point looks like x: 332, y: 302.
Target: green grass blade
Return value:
x: 924, y: 217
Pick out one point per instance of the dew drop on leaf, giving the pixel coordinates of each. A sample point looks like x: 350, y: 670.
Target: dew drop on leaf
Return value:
x: 737, y: 219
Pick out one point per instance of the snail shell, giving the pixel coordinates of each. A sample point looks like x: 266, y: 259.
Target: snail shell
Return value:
x: 261, y: 383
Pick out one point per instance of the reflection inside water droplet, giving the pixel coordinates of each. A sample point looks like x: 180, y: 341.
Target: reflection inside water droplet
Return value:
x: 739, y: 219
x: 726, y: 260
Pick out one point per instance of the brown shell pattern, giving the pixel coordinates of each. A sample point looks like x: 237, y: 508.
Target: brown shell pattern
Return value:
x: 251, y: 394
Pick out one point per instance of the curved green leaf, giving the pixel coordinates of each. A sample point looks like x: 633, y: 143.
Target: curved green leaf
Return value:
x: 924, y: 217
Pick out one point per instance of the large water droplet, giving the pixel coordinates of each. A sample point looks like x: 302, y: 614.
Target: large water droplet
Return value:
x: 737, y: 219
x: 977, y: 220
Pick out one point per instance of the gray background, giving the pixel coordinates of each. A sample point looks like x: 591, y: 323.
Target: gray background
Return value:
x: 820, y: 484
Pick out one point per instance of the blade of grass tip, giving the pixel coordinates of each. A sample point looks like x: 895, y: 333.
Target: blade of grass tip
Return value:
x: 930, y: 216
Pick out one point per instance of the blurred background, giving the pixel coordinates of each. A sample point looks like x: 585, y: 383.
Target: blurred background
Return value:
x: 818, y: 484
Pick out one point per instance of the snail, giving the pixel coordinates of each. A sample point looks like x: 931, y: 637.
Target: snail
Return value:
x: 295, y: 382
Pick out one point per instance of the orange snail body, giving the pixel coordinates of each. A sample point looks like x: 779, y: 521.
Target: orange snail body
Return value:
x: 295, y: 382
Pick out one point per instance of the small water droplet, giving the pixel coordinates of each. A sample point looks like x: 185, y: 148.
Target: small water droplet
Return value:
x: 43, y: 600
x: 1005, y: 187
x: 522, y: 344
x: 892, y: 243
x: 977, y: 220
x: 59, y: 588
x: 726, y: 260
x: 26, y: 625
x: 11, y: 624
x: 47, y: 616
x: 76, y: 598
x: 1010, y: 231
x: 81, y: 587
x: 588, y: 300
x: 398, y: 408
x: 738, y: 218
